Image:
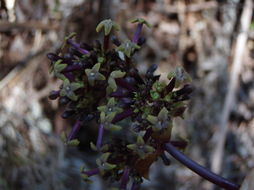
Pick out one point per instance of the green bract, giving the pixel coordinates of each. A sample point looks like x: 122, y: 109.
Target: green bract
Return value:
x: 140, y: 21
x: 57, y: 68
x: 106, y: 121
x: 69, y: 88
x: 94, y: 74
x: 111, y: 80
x: 103, y: 164
x: 128, y: 47
x: 108, y: 25
x: 162, y: 121
x: 110, y: 107
x: 140, y: 147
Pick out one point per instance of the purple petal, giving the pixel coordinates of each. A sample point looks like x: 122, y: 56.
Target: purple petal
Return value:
x: 77, y: 47
x: 92, y: 172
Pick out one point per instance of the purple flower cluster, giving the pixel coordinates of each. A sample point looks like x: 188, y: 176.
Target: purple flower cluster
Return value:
x: 101, y: 83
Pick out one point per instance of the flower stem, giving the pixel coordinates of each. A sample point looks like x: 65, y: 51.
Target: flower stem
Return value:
x: 100, y: 136
x: 137, y: 33
x: 106, y: 42
x: 74, y: 131
x: 125, y: 178
x: 200, y: 170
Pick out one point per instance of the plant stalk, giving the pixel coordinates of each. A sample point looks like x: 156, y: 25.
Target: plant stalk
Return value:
x: 200, y: 170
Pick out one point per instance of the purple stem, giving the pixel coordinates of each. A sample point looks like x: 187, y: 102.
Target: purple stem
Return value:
x: 125, y: 178
x: 100, y: 136
x: 74, y: 131
x: 126, y: 113
x: 77, y: 46
x: 92, y: 172
x: 137, y: 33
x: 200, y: 170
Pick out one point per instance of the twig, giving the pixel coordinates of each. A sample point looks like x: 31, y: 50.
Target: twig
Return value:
x: 22, y: 64
x: 220, y: 135
x: 6, y: 26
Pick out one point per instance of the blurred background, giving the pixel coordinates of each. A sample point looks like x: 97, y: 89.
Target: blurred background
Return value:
x: 212, y: 39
